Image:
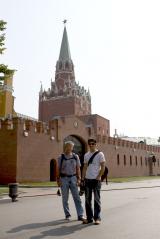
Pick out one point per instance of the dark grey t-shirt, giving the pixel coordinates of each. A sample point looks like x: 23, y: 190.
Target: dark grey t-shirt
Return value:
x: 69, y: 166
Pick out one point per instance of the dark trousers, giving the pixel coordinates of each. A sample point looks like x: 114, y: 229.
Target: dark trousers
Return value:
x: 92, y: 186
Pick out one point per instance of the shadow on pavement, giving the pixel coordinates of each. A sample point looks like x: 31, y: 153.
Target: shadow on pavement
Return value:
x: 64, y: 228
x: 61, y: 231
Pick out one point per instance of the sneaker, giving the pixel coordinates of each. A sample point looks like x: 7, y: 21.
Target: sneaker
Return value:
x: 97, y: 222
x: 68, y: 218
x: 81, y: 218
x: 86, y: 221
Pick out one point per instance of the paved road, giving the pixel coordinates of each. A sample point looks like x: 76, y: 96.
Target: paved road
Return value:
x: 127, y: 214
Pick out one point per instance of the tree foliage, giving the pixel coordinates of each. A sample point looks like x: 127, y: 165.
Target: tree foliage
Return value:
x: 2, y: 35
x: 4, y: 69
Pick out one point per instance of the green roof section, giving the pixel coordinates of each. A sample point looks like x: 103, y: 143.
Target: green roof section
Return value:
x: 65, y: 54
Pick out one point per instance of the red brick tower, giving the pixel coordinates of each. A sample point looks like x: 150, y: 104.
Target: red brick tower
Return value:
x: 65, y: 97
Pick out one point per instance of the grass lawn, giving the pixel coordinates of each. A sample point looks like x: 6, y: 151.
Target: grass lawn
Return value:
x: 38, y: 184
x: 3, y: 190
x: 131, y: 179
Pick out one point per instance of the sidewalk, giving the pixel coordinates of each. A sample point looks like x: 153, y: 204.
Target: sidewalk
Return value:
x: 45, y: 191
x: 32, y: 192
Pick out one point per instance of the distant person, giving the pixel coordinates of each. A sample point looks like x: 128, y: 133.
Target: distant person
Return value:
x: 93, y: 169
x: 68, y: 178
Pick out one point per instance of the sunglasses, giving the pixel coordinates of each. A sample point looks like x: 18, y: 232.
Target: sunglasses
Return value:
x: 91, y: 144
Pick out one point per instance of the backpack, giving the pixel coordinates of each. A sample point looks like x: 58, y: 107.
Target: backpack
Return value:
x: 64, y: 158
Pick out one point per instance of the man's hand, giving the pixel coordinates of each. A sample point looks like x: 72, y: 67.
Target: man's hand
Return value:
x: 98, y: 178
x: 82, y: 183
x: 58, y: 182
x: 101, y: 171
x: 78, y: 181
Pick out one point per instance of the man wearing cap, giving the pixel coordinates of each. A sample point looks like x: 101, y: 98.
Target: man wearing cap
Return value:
x: 93, y: 169
x: 68, y: 178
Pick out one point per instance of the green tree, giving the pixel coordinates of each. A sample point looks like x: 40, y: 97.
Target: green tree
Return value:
x: 2, y: 35
x: 3, y: 68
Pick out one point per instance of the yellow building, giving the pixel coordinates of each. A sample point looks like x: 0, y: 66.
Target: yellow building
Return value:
x: 6, y: 97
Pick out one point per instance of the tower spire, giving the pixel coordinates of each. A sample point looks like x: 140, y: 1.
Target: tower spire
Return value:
x: 64, y: 21
x: 65, y: 54
x: 41, y: 88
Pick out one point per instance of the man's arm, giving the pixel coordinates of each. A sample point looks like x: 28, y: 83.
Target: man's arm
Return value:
x: 78, y: 173
x: 58, y: 173
x: 101, y: 170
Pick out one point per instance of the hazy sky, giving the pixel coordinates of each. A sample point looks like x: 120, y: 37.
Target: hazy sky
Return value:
x: 115, y: 47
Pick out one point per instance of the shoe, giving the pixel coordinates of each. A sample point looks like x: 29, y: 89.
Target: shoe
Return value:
x: 97, y: 222
x: 68, y: 218
x: 86, y: 221
x: 81, y: 218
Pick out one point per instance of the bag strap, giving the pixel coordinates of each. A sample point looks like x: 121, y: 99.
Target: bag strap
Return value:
x: 92, y: 157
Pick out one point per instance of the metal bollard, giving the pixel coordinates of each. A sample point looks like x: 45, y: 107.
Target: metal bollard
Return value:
x: 13, y: 191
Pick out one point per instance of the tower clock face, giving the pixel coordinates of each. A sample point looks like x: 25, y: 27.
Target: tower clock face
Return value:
x: 75, y: 124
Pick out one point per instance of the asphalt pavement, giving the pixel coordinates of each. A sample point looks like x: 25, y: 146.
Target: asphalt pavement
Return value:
x: 129, y: 210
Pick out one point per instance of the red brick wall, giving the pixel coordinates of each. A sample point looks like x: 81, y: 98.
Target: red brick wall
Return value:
x: 27, y: 158
x: 82, y: 106
x: 35, y: 151
x: 60, y: 107
x: 112, y: 148
x: 99, y: 125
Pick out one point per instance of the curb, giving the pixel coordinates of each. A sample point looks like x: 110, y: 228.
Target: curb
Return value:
x: 5, y: 199
x: 118, y: 189
x: 28, y: 186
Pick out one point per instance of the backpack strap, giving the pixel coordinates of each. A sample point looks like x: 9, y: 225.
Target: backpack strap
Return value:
x: 64, y: 158
x: 92, y: 157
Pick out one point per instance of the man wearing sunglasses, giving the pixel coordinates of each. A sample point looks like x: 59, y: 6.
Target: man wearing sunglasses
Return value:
x: 94, y: 166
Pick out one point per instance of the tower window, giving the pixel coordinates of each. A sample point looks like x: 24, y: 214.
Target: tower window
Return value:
x: 130, y: 160
x: 67, y: 65
x: 118, y: 160
x: 136, y: 160
x: 124, y: 159
x: 89, y: 131
x: 60, y: 65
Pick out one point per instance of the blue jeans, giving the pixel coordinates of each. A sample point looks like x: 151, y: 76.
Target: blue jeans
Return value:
x: 92, y: 185
x: 71, y: 183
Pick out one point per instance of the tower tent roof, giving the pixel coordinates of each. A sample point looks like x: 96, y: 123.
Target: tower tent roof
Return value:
x: 65, y: 50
